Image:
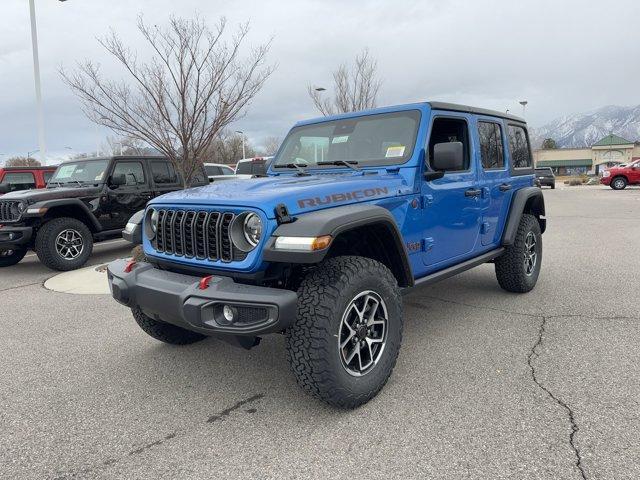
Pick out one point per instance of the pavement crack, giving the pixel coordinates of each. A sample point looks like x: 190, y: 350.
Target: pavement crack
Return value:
x: 20, y: 286
x: 534, y: 354
x: 238, y: 405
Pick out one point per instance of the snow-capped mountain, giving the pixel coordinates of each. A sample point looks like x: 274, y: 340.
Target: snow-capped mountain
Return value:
x: 584, y: 129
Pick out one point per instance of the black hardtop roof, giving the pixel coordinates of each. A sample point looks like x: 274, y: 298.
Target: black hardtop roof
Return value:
x: 118, y: 157
x: 478, y: 111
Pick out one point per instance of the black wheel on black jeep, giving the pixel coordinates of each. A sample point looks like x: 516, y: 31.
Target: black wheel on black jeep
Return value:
x: 619, y: 183
x: 165, y: 332
x: 11, y: 257
x: 64, y: 244
x: 518, y: 268
x: 345, y: 340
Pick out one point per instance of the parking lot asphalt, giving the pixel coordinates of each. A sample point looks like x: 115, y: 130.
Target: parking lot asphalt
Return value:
x: 488, y: 385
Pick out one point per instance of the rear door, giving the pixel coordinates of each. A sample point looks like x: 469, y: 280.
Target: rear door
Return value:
x: 165, y: 177
x: 452, y: 204
x: 494, y: 177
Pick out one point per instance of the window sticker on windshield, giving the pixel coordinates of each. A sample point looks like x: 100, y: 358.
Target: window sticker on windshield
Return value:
x: 65, y: 171
x: 341, y: 139
x: 396, y: 151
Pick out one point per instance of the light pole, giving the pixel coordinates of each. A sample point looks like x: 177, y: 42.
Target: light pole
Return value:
x: 524, y: 104
x: 36, y: 77
x: 240, y: 132
x: 30, y: 152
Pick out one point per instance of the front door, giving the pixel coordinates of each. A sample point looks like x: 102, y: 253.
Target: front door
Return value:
x: 123, y: 201
x: 453, y: 203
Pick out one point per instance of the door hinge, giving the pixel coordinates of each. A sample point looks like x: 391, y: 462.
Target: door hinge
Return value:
x: 485, y: 227
x: 427, y: 244
x: 427, y: 200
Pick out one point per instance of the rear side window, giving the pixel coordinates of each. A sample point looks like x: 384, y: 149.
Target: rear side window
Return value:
x: 20, y: 180
x: 227, y: 171
x: 519, y: 147
x: 133, y: 172
x: 244, y: 168
x: 491, y: 145
x: 212, y: 170
x: 163, y: 173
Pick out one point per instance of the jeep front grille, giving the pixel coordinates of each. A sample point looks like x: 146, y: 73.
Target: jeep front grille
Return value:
x: 9, y: 211
x: 196, y: 234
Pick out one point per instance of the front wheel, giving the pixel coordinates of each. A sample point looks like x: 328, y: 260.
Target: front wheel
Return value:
x: 64, y: 244
x: 11, y: 257
x: 518, y: 268
x: 619, y: 183
x: 345, y: 341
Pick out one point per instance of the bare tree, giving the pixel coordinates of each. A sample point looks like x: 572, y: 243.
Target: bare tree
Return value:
x: 126, y: 145
x: 227, y: 148
x: 270, y: 145
x: 195, y: 84
x: 355, y: 88
x: 22, y: 162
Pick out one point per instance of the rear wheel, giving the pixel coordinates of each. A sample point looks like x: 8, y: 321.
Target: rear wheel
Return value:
x: 619, y: 183
x: 64, y: 244
x: 11, y: 257
x: 345, y: 341
x: 165, y: 332
x: 518, y: 268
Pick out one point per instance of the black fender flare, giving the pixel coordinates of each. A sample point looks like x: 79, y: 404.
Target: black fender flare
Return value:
x: 334, y: 221
x: 47, y: 205
x: 531, y: 199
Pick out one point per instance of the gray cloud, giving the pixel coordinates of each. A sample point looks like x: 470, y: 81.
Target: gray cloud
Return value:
x: 563, y: 57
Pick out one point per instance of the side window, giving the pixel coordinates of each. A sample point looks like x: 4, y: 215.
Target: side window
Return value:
x: 519, y: 147
x: 450, y: 130
x: 133, y: 172
x: 212, y: 170
x: 163, y: 173
x: 491, y: 145
x: 47, y: 176
x: 227, y: 171
x: 20, y: 180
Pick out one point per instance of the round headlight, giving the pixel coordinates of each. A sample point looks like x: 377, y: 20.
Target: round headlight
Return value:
x: 252, y: 229
x: 154, y: 221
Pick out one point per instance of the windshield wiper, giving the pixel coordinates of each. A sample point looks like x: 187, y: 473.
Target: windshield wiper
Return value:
x: 297, y: 166
x: 77, y: 181
x: 347, y: 163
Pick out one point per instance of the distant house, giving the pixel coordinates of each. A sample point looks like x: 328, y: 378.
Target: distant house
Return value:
x: 607, y: 152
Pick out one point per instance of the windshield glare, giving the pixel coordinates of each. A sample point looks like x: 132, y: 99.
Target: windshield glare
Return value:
x: 381, y: 139
x: 83, y: 172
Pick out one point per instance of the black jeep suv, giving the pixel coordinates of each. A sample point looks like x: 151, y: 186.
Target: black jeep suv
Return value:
x: 85, y: 201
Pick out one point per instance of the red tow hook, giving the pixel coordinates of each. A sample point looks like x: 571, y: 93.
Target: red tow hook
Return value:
x: 204, y: 282
x: 129, y: 266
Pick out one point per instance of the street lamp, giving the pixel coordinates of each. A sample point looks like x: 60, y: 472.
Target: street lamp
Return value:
x: 240, y: 132
x: 36, y: 77
x: 32, y: 151
x: 524, y: 104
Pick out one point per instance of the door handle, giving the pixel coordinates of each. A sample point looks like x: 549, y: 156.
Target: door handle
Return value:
x: 473, y: 192
x: 505, y: 187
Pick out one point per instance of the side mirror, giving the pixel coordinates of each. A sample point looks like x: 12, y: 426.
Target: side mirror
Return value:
x: 4, y: 188
x: 448, y: 156
x: 118, y: 180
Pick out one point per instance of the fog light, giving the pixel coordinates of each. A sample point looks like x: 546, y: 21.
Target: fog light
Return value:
x: 229, y: 313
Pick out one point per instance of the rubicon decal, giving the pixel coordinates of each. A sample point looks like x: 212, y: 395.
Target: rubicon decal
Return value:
x: 343, y: 197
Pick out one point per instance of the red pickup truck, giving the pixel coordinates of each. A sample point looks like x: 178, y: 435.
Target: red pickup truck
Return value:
x: 24, y: 178
x: 619, y: 177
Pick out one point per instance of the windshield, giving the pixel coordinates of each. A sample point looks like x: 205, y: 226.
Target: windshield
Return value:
x: 382, y: 139
x: 80, y: 172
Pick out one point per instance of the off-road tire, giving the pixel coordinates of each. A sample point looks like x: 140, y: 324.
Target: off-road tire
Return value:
x: 165, y: 332
x: 46, y: 244
x: 12, y: 259
x: 313, y: 340
x: 553, y: 186
x: 510, y: 266
x: 618, y: 183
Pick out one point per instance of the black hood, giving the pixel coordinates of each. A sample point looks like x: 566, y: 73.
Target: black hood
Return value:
x: 34, y: 196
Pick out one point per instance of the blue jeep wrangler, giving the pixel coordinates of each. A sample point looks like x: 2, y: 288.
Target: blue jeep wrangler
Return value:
x: 356, y: 210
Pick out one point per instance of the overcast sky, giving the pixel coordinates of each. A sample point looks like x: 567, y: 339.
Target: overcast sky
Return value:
x: 562, y: 56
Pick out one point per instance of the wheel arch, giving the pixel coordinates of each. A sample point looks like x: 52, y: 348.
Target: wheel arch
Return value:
x: 529, y: 200
x: 365, y: 230
x: 72, y: 208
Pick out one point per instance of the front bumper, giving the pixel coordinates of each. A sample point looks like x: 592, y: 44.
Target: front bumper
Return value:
x: 548, y: 182
x: 605, y: 180
x: 178, y: 299
x: 12, y: 237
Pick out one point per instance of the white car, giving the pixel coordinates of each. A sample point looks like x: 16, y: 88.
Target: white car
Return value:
x: 218, y: 171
